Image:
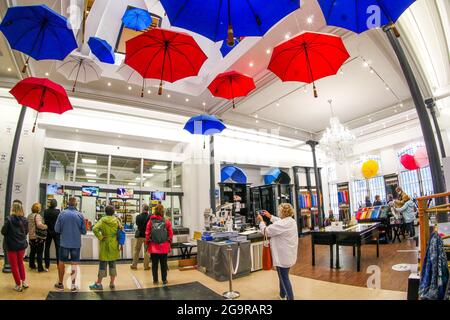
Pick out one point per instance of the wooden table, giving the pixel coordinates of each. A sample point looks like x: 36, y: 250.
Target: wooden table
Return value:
x: 353, y: 236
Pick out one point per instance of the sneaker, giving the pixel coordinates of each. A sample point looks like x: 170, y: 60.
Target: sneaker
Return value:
x: 112, y: 286
x: 165, y: 282
x: 281, y: 298
x: 74, y: 288
x: 96, y: 286
x: 25, y: 285
x: 133, y: 267
x: 18, y: 288
x: 59, y: 286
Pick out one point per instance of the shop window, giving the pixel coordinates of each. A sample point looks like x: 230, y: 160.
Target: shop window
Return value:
x: 377, y: 187
x: 177, y: 175
x: 334, y: 205
x: 427, y: 182
x: 125, y: 172
x: 359, y: 192
x: 58, y: 165
x: 92, y: 168
x: 409, y: 182
x: 156, y: 174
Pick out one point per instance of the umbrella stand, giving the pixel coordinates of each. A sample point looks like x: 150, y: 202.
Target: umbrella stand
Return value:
x: 166, y: 46
x: 310, y: 70
x: 78, y: 73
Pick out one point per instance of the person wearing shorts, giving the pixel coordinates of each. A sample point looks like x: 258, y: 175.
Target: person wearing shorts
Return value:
x: 70, y: 225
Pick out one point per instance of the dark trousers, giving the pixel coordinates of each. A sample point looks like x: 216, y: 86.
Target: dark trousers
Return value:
x: 51, y: 236
x: 36, y: 252
x: 285, y: 283
x: 159, y: 259
x: 410, y: 228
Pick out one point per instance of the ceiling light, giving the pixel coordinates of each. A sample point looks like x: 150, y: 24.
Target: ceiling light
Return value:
x: 277, y: 104
x: 310, y: 19
x: 387, y: 88
x: 149, y: 91
x: 138, y: 178
x: 384, y: 125
x: 90, y: 170
x: 148, y: 175
x: 407, y: 117
x: 159, y: 167
x: 109, y: 84
x: 76, y: 130
x: 168, y: 96
x: 160, y: 141
x: 47, y: 74
x: 395, y: 110
x: 257, y: 121
x: 204, y: 103
x: 90, y: 161
x: 256, y: 116
x: 129, y: 88
x: 9, y: 69
x: 287, y: 35
x: 268, y: 51
x: 187, y: 99
x: 372, y: 71
x: 250, y: 64
x: 132, y: 184
x: 119, y: 136
x: 92, y: 181
x: 176, y: 186
x: 365, y: 64
x: 401, y: 105
x: 370, y: 119
x: 91, y: 175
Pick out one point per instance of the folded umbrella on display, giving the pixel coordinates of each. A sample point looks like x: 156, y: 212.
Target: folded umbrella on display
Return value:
x: 42, y: 95
x: 102, y: 50
x: 79, y: 69
x: 307, y: 57
x: 164, y: 55
x: 233, y: 173
x: 137, y: 19
x: 226, y: 19
x: 361, y: 15
x: 38, y: 32
x: 230, y: 85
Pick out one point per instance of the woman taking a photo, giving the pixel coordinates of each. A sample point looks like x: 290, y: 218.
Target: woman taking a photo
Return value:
x: 158, y: 236
x: 15, y: 232
x: 283, y: 234
x: 37, y: 237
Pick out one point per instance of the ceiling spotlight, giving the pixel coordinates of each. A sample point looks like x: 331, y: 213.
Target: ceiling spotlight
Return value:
x: 149, y: 91
x: 371, y: 70
x: 277, y: 104
x: 129, y: 87
x: 47, y: 74
x: 310, y: 19
x: 187, y: 99
x: 365, y: 64
x: 160, y: 141
x: 395, y: 110
x: 119, y: 136
x: 250, y: 64
x: 387, y: 88
x: 401, y: 105
x: 9, y: 69
x: 256, y: 116
x: 370, y: 119
x: 76, y: 130
x: 204, y: 103
x: 268, y: 51
x: 257, y: 121
x: 109, y: 84
x: 168, y: 95
x: 287, y: 35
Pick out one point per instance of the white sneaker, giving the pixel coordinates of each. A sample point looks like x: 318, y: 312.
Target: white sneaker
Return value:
x: 25, y: 285
x: 281, y: 298
x: 18, y: 288
x: 74, y: 288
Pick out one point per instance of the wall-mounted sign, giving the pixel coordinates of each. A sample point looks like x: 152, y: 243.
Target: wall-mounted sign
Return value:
x: 17, y: 187
x: 26, y: 132
x: 9, y: 130
x: 20, y: 159
x: 3, y: 157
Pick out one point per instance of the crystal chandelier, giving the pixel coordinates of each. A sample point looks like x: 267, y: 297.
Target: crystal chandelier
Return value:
x: 337, y: 141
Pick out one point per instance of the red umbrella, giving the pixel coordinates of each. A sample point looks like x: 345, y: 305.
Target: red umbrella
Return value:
x: 42, y: 95
x: 164, y: 54
x: 230, y: 85
x: 308, y: 57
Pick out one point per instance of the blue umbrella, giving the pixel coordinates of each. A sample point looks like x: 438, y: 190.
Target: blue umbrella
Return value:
x: 233, y: 173
x: 226, y: 19
x: 272, y: 175
x: 102, y: 50
x: 361, y: 15
x: 204, y: 124
x: 137, y: 19
x: 226, y: 49
x: 38, y: 32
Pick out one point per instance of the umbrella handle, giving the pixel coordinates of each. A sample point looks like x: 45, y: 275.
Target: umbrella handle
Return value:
x: 234, y: 106
x: 230, y: 37
x: 315, y: 91
x: 160, y: 88
x: 35, y: 121
x: 24, y: 69
x: 396, y: 32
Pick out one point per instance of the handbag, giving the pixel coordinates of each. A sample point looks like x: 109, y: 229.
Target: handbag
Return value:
x: 40, y: 233
x: 267, y: 255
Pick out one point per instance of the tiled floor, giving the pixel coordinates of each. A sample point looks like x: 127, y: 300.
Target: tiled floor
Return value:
x: 259, y: 285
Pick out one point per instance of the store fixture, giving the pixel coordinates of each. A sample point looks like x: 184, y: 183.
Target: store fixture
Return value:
x: 344, y: 202
x: 239, y: 195
x: 379, y: 214
x: 269, y: 197
x: 308, y: 198
x: 391, y: 182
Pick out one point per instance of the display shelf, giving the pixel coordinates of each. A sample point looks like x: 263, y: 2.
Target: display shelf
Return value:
x: 239, y: 195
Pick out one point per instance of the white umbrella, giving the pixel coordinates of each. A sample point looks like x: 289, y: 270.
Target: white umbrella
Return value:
x: 79, y: 69
x: 131, y: 76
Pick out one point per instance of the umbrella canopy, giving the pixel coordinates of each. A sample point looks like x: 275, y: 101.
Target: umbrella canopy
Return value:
x: 204, y: 124
x: 234, y: 174
x: 308, y: 57
x: 137, y: 19
x: 361, y: 15
x: 38, y: 32
x: 165, y: 55
x: 42, y: 95
x: 79, y: 69
x: 226, y: 49
x: 408, y: 162
x: 421, y: 157
x: 276, y: 176
x: 226, y: 19
x: 102, y: 50
x: 230, y: 85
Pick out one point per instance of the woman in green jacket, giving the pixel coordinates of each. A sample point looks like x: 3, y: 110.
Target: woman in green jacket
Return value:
x: 106, y: 232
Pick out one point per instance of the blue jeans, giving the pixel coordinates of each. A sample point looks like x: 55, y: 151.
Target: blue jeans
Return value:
x: 285, y: 283
x: 69, y: 254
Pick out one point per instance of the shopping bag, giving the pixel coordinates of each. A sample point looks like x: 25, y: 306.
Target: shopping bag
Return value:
x: 267, y: 255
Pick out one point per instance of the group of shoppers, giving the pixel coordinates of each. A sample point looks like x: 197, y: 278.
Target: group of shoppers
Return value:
x: 65, y: 230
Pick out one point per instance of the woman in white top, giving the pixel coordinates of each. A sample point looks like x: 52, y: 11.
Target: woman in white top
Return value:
x: 283, y: 235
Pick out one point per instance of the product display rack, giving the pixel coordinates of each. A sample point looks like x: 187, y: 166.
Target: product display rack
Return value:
x: 344, y: 201
x: 391, y: 182
x: 309, y: 214
x: 269, y: 197
x: 376, y: 214
x: 125, y: 208
x: 231, y: 191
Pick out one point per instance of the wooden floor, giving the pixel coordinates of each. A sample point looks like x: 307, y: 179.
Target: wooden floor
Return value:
x: 390, y: 254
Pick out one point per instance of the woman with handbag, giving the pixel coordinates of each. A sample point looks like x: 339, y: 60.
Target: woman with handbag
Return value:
x: 37, y: 236
x: 15, y: 231
x: 283, y: 234
x: 106, y: 230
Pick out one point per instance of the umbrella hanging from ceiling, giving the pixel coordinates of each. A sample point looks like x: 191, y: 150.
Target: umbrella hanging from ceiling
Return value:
x: 137, y: 19
x: 164, y: 55
x: 79, y: 69
x: 226, y: 19
x: 226, y: 49
x: 204, y: 124
x: 131, y: 76
x: 102, y: 50
x: 38, y: 32
x: 42, y: 95
x: 308, y: 57
x: 359, y: 16
x: 230, y: 85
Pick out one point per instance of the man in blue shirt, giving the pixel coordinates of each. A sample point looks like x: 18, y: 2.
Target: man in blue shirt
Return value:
x: 70, y: 225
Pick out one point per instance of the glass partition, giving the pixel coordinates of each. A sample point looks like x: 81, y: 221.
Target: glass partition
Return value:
x: 156, y: 174
x: 92, y: 168
x: 125, y: 171
x: 58, y: 165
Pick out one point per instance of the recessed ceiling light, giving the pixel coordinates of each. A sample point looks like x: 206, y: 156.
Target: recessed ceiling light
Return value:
x: 187, y: 99
x: 287, y: 35
x: 92, y: 181
x: 401, y: 105
x: 132, y: 184
x: 148, y: 175
x: 109, y: 84
x: 268, y: 51
x: 310, y: 19
x: 372, y: 71
x: 160, y: 141
x: 204, y: 103
x: 176, y: 186
x: 89, y: 161
x: 159, y: 167
x: 250, y: 64
x: 387, y: 88
x: 149, y: 91
x: 130, y: 87
x: 365, y: 64
x: 277, y: 104
x: 168, y: 96
x: 256, y: 116
x: 9, y: 69
x: 76, y: 130
x: 370, y: 119
x: 92, y: 170
x: 257, y: 121
x: 47, y: 74
x: 138, y: 178
x: 91, y: 175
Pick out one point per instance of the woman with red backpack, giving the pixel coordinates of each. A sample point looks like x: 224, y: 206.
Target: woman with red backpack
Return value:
x: 158, y: 237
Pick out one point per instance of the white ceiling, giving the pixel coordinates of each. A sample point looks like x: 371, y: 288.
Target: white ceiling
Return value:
x: 358, y: 96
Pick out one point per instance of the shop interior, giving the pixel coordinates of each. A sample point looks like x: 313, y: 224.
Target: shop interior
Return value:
x: 337, y: 148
